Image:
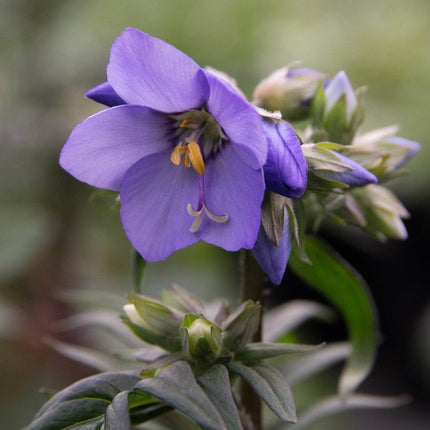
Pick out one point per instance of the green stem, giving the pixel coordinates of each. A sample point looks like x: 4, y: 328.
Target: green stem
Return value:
x: 252, y: 286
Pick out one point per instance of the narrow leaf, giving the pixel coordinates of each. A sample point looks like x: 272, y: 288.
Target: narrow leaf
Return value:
x: 340, y: 284
x: 117, y: 416
x: 270, y: 385
x: 260, y: 351
x: 215, y: 382
x: 176, y: 386
x: 315, y: 361
x: 84, y: 403
x: 288, y: 316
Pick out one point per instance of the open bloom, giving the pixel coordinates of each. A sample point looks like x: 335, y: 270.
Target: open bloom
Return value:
x: 183, y: 148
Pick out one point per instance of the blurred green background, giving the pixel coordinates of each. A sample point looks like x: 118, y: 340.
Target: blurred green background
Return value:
x: 52, y: 238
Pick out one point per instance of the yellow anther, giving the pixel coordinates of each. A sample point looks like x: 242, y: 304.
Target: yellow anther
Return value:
x: 185, y: 122
x: 175, y: 156
x: 196, y: 157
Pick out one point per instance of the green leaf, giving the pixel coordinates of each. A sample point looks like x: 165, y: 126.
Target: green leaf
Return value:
x: 117, y: 415
x: 270, y: 385
x: 84, y: 404
x: 176, y: 386
x: 215, y: 382
x: 334, y: 405
x: 139, y: 264
x: 260, y: 351
x: 342, y: 286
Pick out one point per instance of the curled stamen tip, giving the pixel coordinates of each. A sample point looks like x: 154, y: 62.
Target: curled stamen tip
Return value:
x: 192, y: 211
x: 217, y: 218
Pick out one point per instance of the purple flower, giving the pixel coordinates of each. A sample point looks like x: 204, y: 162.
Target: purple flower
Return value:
x: 185, y: 151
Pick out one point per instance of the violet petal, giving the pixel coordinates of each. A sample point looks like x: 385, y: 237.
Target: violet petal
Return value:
x: 101, y: 149
x: 147, y: 71
x: 235, y: 189
x: 154, y: 199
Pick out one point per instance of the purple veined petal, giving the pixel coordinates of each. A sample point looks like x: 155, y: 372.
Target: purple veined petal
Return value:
x: 286, y: 169
x: 154, y: 199
x: 272, y: 259
x: 239, y: 120
x: 103, y: 147
x: 233, y: 188
x: 357, y: 177
x: 147, y: 71
x: 105, y: 94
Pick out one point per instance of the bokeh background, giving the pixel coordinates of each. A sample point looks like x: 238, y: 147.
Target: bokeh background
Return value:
x: 55, y: 238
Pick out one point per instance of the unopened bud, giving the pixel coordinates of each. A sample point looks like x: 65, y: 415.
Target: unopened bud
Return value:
x: 289, y: 90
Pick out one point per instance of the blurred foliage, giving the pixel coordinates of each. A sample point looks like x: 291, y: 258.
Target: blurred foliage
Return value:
x: 53, y: 51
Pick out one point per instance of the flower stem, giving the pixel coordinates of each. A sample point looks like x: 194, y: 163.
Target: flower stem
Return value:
x: 252, y: 286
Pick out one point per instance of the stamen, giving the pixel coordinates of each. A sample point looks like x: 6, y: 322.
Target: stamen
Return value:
x: 198, y: 216
x: 213, y: 217
x: 196, y: 157
x: 175, y: 156
x: 187, y: 159
x: 187, y: 123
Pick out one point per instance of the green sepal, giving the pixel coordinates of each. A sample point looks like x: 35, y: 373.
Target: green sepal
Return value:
x: 241, y: 325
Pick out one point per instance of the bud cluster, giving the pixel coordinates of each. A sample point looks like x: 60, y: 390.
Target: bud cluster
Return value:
x: 346, y: 168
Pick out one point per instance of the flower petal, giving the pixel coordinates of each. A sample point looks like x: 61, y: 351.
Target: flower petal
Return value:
x: 286, y: 169
x: 154, y: 199
x: 105, y: 94
x: 338, y: 86
x: 272, y: 259
x: 101, y: 149
x: 147, y: 71
x: 235, y: 189
x: 239, y: 120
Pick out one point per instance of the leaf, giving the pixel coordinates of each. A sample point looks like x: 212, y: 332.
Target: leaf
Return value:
x: 215, y: 382
x: 176, y: 386
x: 270, y: 385
x: 117, y: 415
x: 84, y: 404
x: 100, y: 361
x: 286, y: 317
x: 341, y: 284
x: 334, y: 405
x: 260, y: 351
x: 315, y: 361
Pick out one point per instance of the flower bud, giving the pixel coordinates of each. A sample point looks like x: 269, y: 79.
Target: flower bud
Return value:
x: 289, y: 90
x: 337, y: 110
x: 329, y: 169
x: 381, y: 151
x: 383, y: 212
x: 203, y: 337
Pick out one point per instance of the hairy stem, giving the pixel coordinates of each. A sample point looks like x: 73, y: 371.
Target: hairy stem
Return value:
x: 252, y: 286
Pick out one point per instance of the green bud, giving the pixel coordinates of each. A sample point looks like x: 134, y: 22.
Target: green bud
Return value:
x: 289, y: 90
x: 203, y: 338
x: 383, y: 212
